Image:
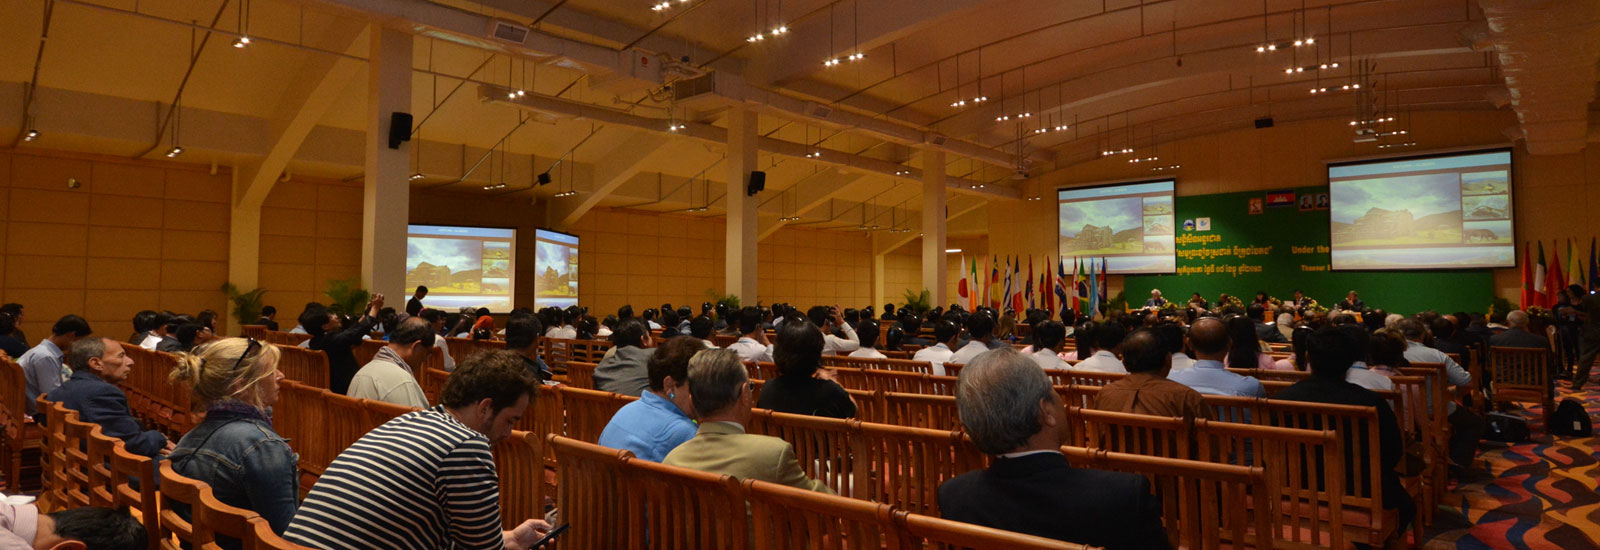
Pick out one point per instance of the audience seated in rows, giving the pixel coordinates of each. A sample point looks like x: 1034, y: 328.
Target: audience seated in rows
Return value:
x: 1172, y: 338
x: 1107, y: 342
x: 661, y: 419
x: 829, y: 320
x: 269, y: 318
x: 436, y: 319
x: 980, y: 328
x: 13, y: 346
x: 339, y: 343
x: 722, y: 401
x: 1244, y: 346
x: 22, y: 527
x: 623, y: 370
x: 427, y: 479
x: 1009, y: 409
x: 802, y: 386
x: 1146, y: 389
x: 391, y: 376
x: 43, y: 366
x: 1049, y: 338
x: 235, y: 450
x: 945, y: 334
x: 867, y: 330
x: 98, y: 365
x: 1332, y: 351
x: 522, y: 337
x: 1209, y: 338
x: 1360, y: 373
x: 752, y: 345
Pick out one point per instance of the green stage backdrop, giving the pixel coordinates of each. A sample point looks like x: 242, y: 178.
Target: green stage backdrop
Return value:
x: 1277, y: 241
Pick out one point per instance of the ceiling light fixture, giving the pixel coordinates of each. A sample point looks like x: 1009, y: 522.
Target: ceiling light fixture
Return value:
x: 244, y: 25
x: 31, y: 135
x: 174, y: 151
x: 493, y: 187
x: 1166, y: 168
x: 662, y: 6
x: 416, y: 176
x: 567, y: 193
x: 1145, y: 159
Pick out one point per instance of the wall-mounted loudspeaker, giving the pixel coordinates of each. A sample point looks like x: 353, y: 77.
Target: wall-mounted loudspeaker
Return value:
x: 399, y: 129
x: 758, y: 181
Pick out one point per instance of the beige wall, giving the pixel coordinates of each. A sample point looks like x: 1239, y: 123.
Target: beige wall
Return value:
x: 146, y: 234
x: 1555, y: 196
x: 131, y: 236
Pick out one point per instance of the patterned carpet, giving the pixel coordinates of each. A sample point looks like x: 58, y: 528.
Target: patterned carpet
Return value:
x: 1543, y: 493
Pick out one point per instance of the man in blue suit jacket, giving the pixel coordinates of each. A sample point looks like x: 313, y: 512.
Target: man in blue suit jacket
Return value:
x: 98, y: 364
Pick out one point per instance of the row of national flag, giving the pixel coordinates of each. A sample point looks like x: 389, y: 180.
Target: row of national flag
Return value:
x: 1082, y: 289
x: 1542, y: 282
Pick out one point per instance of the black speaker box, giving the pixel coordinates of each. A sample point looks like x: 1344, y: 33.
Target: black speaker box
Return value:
x: 399, y: 129
x: 758, y: 182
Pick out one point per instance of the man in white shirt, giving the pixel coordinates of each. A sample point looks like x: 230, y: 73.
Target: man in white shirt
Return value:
x: 1172, y: 338
x: 752, y: 345
x: 158, y: 331
x: 390, y: 376
x: 44, y: 366
x: 936, y: 355
x: 828, y: 319
x: 867, y: 332
x: 980, y: 326
x: 1049, y: 337
x: 1108, y: 339
x: 435, y: 319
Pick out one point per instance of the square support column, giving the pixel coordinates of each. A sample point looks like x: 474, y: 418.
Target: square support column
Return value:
x: 386, y: 198
x: 934, y: 194
x: 743, y: 224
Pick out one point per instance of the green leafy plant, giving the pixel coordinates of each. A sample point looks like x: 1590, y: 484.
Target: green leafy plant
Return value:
x: 1118, y: 302
x: 730, y: 300
x: 1501, y: 304
x: 246, y: 305
x: 348, y: 298
x: 918, y: 302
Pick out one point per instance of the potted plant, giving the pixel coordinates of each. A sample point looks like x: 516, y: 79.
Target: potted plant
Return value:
x: 246, y: 305
x: 348, y: 298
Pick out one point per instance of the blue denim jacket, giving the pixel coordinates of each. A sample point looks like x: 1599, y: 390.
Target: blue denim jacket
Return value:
x: 246, y: 463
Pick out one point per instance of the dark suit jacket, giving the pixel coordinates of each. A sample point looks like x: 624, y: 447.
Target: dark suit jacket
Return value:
x: 1591, y: 325
x: 1519, y: 338
x: 1270, y: 333
x: 1042, y: 495
x: 100, y: 402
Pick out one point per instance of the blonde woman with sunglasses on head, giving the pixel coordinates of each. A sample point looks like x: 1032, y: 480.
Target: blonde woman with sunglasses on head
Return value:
x: 235, y: 450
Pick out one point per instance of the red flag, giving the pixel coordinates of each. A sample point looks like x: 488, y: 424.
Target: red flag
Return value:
x: 1541, y: 280
x: 1527, y: 277
x: 1555, y: 279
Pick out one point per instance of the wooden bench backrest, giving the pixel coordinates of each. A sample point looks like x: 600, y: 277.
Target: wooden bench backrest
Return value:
x: 581, y: 374
x: 208, y: 517
x: 1205, y: 505
x: 588, y: 411
x: 303, y: 365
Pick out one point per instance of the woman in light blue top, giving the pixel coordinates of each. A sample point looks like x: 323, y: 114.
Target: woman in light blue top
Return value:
x: 660, y: 420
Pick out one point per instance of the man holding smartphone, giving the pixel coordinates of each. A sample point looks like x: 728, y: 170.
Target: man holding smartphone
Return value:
x: 829, y: 320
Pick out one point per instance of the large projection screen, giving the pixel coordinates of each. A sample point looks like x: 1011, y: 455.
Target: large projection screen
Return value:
x: 1129, y: 225
x: 556, y: 282
x: 462, y: 266
x: 1444, y: 211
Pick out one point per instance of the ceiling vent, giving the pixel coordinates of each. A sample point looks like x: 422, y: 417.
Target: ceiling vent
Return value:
x: 937, y: 139
x: 821, y: 111
x: 506, y: 31
x: 691, y: 88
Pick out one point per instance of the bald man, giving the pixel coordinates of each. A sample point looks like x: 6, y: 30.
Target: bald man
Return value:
x: 1209, y: 338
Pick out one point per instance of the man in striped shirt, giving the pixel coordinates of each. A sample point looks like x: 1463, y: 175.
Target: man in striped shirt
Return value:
x: 427, y: 479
